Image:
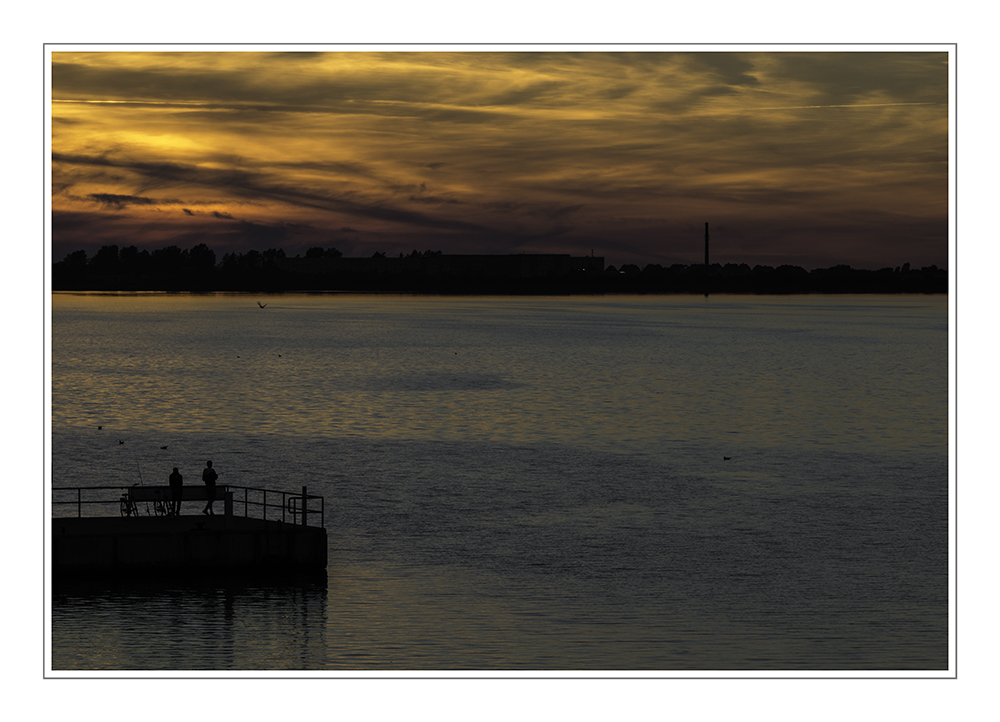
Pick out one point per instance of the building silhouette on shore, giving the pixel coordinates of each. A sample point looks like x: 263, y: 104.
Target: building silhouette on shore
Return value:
x: 433, y: 264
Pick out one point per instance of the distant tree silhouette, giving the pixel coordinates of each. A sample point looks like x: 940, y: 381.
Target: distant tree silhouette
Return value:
x: 135, y: 262
x: 105, y: 261
x: 169, y: 261
x: 196, y: 269
x: 318, y: 253
x: 202, y: 258
x: 76, y: 260
x: 271, y: 257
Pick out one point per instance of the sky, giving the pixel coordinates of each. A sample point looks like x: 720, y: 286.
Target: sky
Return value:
x: 812, y: 158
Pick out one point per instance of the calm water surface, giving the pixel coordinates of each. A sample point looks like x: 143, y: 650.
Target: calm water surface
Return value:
x: 527, y: 483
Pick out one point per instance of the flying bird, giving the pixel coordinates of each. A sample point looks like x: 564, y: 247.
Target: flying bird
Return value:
x: 163, y: 447
x: 726, y: 458
x: 120, y: 441
x: 262, y: 305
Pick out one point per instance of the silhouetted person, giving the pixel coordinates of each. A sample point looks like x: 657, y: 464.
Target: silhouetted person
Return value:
x: 209, y: 476
x: 176, y: 486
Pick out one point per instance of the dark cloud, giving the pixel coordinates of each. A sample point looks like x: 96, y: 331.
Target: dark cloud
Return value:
x: 255, y: 234
x: 434, y: 200
x: 111, y: 200
x: 548, y: 91
x: 728, y: 68
x: 219, y: 214
x: 303, y: 56
x: 257, y: 186
x: 336, y: 167
x: 620, y: 91
x: 851, y: 77
x: 72, y: 221
x: 188, y: 212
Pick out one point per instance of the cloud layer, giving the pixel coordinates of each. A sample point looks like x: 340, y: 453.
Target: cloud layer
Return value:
x: 807, y: 158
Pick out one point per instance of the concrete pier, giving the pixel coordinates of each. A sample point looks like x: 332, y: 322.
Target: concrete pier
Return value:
x: 183, y: 545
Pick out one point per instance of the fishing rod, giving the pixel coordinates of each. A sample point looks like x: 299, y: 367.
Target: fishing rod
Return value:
x: 139, y: 469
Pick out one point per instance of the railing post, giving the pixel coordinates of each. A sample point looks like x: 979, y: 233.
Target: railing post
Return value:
x: 79, y: 502
x: 304, y: 504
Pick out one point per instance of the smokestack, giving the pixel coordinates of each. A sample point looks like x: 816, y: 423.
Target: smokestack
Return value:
x: 706, y: 244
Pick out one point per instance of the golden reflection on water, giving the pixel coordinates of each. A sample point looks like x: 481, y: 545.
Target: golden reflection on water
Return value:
x: 399, y: 368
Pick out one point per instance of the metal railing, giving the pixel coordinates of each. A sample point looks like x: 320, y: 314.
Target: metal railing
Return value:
x: 83, y: 496
x: 254, y: 502
x: 294, y: 507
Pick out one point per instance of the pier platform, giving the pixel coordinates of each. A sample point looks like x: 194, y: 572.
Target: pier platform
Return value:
x: 188, y: 545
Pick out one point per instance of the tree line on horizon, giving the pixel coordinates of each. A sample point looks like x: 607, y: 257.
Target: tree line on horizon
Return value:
x: 197, y: 269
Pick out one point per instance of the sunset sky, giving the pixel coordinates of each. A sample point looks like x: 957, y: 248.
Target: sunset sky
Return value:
x: 809, y: 158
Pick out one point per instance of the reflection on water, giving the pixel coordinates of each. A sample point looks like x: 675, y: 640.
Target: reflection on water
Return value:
x: 190, y: 625
x: 634, y: 483
x: 568, y: 371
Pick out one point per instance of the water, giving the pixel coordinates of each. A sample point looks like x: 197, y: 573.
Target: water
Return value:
x: 527, y: 483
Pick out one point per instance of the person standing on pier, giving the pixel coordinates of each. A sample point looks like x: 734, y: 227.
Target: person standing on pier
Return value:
x: 209, y: 476
x: 176, y: 486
